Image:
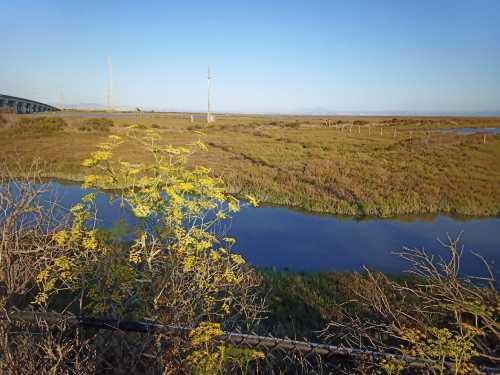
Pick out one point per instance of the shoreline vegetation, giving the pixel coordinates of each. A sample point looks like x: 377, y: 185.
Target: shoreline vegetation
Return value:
x: 353, y: 166
x: 179, y: 271
x: 427, y: 217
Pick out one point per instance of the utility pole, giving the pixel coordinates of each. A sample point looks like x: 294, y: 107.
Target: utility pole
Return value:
x: 62, y: 100
x: 209, y: 119
x: 110, y: 83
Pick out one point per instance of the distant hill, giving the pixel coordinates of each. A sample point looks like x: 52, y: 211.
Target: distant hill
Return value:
x: 313, y: 111
x: 94, y: 107
x: 321, y: 111
x: 83, y: 106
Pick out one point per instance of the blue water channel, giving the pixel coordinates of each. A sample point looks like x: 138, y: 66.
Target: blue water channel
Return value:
x: 282, y: 238
x: 467, y: 131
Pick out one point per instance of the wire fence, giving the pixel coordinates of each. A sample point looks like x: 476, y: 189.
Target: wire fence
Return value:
x: 266, y: 343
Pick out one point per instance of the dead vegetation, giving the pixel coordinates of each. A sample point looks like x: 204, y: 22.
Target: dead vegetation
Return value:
x: 354, y: 166
x: 53, y: 259
x: 449, y: 320
x: 96, y: 124
x: 51, y: 262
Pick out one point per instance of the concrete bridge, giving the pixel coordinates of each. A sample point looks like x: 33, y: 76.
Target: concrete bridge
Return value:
x: 20, y: 105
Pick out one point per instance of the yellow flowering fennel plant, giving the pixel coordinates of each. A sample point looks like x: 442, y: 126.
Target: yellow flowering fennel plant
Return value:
x: 210, y: 356
x: 176, y: 269
x: 447, y: 321
x: 440, y: 345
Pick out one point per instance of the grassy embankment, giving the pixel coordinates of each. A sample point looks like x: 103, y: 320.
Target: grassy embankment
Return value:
x: 353, y: 166
x: 302, y: 304
x: 298, y: 305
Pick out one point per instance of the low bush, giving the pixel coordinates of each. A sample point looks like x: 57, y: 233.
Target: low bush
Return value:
x: 7, y: 120
x: 177, y: 271
x: 360, y: 122
x: 293, y: 125
x: 96, y: 124
x: 40, y: 125
x: 448, y: 321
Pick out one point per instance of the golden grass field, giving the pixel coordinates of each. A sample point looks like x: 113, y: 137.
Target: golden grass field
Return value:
x: 379, y: 166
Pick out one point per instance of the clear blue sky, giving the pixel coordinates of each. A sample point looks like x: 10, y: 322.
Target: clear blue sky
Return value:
x: 285, y: 56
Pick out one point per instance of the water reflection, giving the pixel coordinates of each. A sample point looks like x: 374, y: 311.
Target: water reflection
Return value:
x: 467, y: 131
x: 283, y: 238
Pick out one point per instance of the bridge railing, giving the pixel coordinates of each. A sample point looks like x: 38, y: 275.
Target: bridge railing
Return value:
x: 21, y: 105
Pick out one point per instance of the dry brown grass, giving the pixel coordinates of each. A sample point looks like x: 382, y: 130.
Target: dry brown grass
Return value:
x: 443, y: 317
x: 27, y: 245
x: 336, y: 165
x: 29, y: 225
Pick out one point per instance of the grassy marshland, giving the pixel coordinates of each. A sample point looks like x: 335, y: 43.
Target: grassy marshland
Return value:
x: 191, y: 278
x: 355, y: 166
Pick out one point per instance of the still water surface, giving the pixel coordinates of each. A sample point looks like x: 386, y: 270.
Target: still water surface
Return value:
x: 283, y: 238
x: 467, y: 131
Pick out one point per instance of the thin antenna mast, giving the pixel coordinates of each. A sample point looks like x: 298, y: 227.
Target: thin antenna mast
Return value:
x: 208, y: 108
x: 110, y: 83
x: 62, y: 100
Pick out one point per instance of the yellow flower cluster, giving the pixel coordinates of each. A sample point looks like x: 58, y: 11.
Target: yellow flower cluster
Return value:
x: 89, y: 198
x: 238, y: 259
x: 89, y: 181
x: 77, y: 208
x: 178, y: 257
x: 89, y: 241
x: 62, y: 269
x: 215, y: 255
x: 230, y: 276
x: 204, y: 333
x: 251, y: 199
x: 135, y: 255
x: 233, y: 204
x: 225, y: 306
x: 141, y: 210
x: 189, y: 262
x: 440, y: 344
x: 229, y: 240
x: 210, y: 359
x: 61, y: 237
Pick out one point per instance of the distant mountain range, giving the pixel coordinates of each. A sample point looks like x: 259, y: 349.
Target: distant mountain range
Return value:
x: 83, y: 106
x: 94, y: 107
x: 315, y: 111
x: 321, y: 111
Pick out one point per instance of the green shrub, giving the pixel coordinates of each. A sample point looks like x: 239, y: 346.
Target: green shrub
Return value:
x: 194, y: 270
x: 360, y: 122
x: 40, y: 125
x: 96, y: 124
